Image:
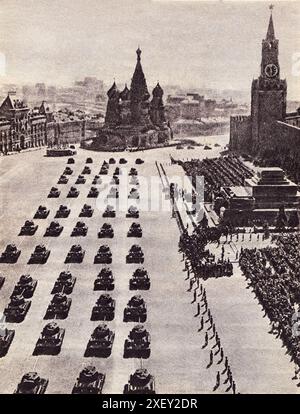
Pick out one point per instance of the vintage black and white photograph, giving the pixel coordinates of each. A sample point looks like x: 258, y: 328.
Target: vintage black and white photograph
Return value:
x: 149, y: 197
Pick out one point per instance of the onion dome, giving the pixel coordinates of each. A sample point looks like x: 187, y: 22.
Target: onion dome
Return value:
x: 113, y: 91
x: 125, y: 94
x: 157, y: 91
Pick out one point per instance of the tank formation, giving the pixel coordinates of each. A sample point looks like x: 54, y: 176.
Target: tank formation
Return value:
x: 86, y: 211
x: 54, y: 193
x: 135, y: 255
x: 42, y: 213
x: 104, y: 280
x: 50, y: 340
x: 137, y: 345
x: 101, y: 342
x: 103, y: 255
x: 32, y: 383
x: 68, y: 171
x: 133, y: 212
x: 54, y: 230
x: 28, y: 229
x: 141, y: 382
x: 17, y: 309
x: 73, y: 193
x: 80, y: 229
x: 93, y: 193
x: 40, y: 255
x: 80, y: 179
x: 106, y: 231
x: 113, y: 193
x: 136, y: 310
x: 135, y: 230
x: 86, y: 170
x: 11, y: 254
x: 104, y: 310
x: 25, y: 287
x: 59, y: 307
x: 109, y: 212
x: 6, y: 338
x: 75, y: 255
x: 64, y: 284
x: 63, y: 179
x: 139, y: 280
x: 62, y: 212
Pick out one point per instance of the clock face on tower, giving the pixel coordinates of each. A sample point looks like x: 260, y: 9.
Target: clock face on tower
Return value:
x: 271, y: 70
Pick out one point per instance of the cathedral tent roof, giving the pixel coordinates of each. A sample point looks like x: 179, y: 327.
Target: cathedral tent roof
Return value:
x: 138, y: 87
x: 113, y: 90
x: 125, y: 94
x: 158, y: 91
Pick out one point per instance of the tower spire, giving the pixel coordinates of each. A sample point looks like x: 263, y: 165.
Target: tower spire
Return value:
x: 271, y: 32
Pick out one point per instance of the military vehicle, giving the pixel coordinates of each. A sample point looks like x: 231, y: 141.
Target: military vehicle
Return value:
x: 97, y: 180
x: 62, y: 212
x: 137, y: 345
x: 113, y: 193
x: 207, y: 147
x: 86, y: 170
x: 136, y: 310
x: 71, y: 161
x: 133, y: 212
x: 104, y: 310
x: 75, y: 255
x: 111, y: 161
x: 117, y: 171
x: 135, y: 230
x: 25, y: 287
x: 133, y: 171
x: 103, y: 255
x: 17, y: 309
x: 62, y: 179
x: 86, y: 211
x: 135, y: 255
x: 40, y: 255
x: 31, y: 383
x: 93, y: 193
x: 134, y: 181
x: 105, y: 280
x: 134, y: 194
x: 122, y: 161
x: 73, y: 193
x: 6, y: 338
x: 101, y: 342
x: 140, y: 280
x: 139, y: 161
x: 28, y: 229
x: 54, y: 230
x: 2, y: 280
x: 59, y: 307
x: 50, y: 340
x: 109, y: 212
x: 89, y: 160
x: 80, y: 179
x: 10, y: 255
x: 103, y: 170
x: 106, y: 231
x: 115, y: 180
x: 64, y: 284
x: 80, y: 229
x: 68, y: 171
x: 54, y: 193
x: 141, y: 382
x: 90, y: 381
x: 41, y: 213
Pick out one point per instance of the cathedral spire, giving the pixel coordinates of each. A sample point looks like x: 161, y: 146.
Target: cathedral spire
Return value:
x: 271, y: 32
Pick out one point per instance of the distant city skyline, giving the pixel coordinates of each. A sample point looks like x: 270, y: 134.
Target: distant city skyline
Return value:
x: 193, y: 44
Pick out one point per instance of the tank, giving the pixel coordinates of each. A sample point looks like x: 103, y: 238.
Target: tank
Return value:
x: 139, y: 161
x: 54, y: 230
x: 134, y: 194
x: 50, y: 340
x: 86, y: 170
x: 115, y: 180
x: 117, y: 171
x: 105, y: 280
x: 140, y: 280
x: 132, y: 171
x: 10, y: 254
x: 93, y: 193
x: 103, y: 170
x: 133, y: 212
x: 141, y: 382
x: 63, y: 179
x: 25, y: 287
x: 28, y: 229
x: 101, y: 342
x: 90, y: 381
x: 135, y: 255
x: 64, y: 284
x: 134, y: 181
x: 106, y: 231
x: 40, y: 255
x: 89, y: 160
x: 80, y: 180
x: 2, y: 280
x: 122, y: 161
x: 32, y: 383
x: 137, y: 345
x: 136, y: 310
x: 42, y: 212
x: 62, y: 212
x: 71, y: 161
x: 86, y: 211
x: 6, y: 338
x: 111, y: 161
x: 97, y: 180
x: 54, y: 193
x: 103, y: 255
x: 59, y: 307
x: 104, y: 310
x: 68, y: 171
x: 73, y: 192
x: 109, y: 212
x: 75, y: 255
x: 17, y: 309
x: 80, y: 229
x: 113, y: 193
x: 135, y: 230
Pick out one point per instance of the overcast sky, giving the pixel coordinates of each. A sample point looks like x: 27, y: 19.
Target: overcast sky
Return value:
x: 190, y: 43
